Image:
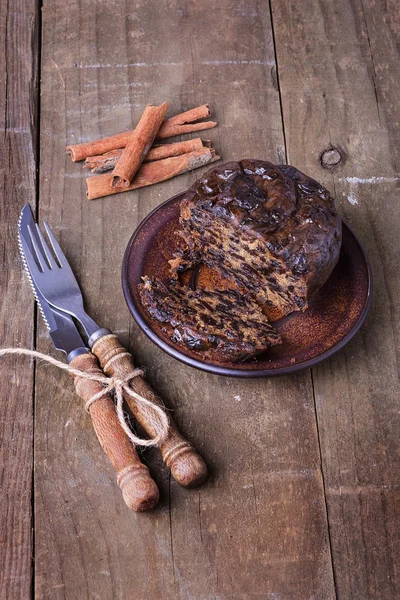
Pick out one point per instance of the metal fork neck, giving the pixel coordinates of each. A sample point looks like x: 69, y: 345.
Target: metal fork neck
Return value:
x: 90, y: 326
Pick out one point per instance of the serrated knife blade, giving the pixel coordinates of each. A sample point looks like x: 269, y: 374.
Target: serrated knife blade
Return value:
x: 61, y: 327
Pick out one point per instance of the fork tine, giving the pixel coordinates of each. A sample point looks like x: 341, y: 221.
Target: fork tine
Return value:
x: 55, y: 245
x: 29, y: 259
x: 45, y: 249
x: 38, y: 254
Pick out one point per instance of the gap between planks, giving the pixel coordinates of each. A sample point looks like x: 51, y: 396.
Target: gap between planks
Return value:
x: 311, y: 372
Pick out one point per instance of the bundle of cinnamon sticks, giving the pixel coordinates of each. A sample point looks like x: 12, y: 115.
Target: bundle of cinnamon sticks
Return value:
x: 130, y: 160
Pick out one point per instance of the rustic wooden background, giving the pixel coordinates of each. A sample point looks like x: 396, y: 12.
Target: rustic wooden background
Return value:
x: 303, y: 499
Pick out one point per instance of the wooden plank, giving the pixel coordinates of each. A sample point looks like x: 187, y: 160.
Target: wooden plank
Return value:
x: 258, y: 528
x: 340, y: 81
x: 18, y: 108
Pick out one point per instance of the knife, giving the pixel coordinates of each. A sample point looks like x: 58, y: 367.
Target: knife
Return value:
x: 139, y: 490
x: 55, y: 280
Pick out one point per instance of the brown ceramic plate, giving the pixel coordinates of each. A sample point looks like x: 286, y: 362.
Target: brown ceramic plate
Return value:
x: 334, y: 316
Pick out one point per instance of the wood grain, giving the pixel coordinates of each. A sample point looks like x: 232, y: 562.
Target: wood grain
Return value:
x: 139, y: 491
x: 258, y: 527
x: 185, y: 464
x: 18, y: 120
x: 339, y: 76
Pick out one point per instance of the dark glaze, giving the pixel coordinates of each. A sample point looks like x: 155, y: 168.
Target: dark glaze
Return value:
x: 292, y: 213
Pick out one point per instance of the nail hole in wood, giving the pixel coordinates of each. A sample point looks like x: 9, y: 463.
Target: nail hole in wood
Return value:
x: 330, y: 158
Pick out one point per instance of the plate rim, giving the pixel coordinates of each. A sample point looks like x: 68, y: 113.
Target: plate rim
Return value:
x: 215, y: 368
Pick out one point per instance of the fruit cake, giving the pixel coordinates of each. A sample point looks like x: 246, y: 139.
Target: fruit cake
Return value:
x: 272, y: 232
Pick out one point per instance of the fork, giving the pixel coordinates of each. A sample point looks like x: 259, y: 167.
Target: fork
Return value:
x: 56, y: 281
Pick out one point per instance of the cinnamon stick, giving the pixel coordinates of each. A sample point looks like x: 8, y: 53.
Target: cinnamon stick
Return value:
x: 138, y: 145
x: 173, y: 130
x: 185, y: 122
x: 152, y: 172
x: 106, y: 162
x: 120, y: 140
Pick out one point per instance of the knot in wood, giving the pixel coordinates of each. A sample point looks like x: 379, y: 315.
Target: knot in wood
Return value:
x: 330, y: 158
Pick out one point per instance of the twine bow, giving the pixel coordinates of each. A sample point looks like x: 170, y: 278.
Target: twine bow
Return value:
x: 115, y: 385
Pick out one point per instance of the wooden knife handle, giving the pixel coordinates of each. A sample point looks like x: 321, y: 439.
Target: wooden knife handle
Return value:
x: 139, y: 490
x: 187, y: 467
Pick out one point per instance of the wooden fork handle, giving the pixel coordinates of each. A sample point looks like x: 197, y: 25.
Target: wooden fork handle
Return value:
x: 139, y: 490
x: 187, y: 467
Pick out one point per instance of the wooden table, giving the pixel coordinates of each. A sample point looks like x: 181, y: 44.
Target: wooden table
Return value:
x: 303, y: 499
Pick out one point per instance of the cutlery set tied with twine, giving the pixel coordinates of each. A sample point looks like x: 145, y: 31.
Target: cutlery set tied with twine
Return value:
x: 106, y: 369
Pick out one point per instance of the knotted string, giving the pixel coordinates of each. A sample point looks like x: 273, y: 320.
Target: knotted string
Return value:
x: 112, y: 385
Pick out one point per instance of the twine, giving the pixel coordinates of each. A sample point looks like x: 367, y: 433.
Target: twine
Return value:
x: 112, y: 385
